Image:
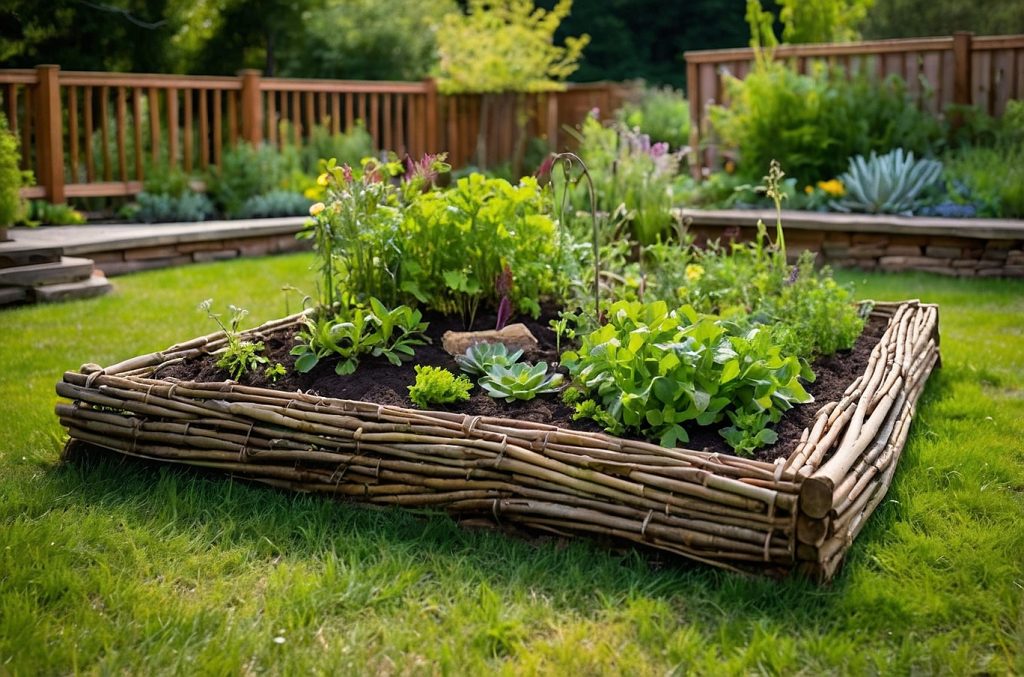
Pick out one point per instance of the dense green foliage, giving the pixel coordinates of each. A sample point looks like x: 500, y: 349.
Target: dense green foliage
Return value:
x: 822, y: 20
x: 651, y: 369
x: 11, y: 178
x: 815, y: 122
x: 41, y: 212
x: 662, y: 113
x: 457, y: 242
x: 633, y: 178
x: 505, y: 46
x: 365, y: 40
x: 436, y: 385
x: 922, y: 18
x: 167, y: 208
x: 275, y: 203
x: 350, y: 332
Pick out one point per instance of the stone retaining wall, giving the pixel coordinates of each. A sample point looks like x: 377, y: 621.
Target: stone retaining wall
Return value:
x: 958, y: 248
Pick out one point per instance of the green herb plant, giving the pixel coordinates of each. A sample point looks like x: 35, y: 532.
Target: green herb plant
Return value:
x: 355, y: 332
x: 240, y: 357
x: 436, y: 385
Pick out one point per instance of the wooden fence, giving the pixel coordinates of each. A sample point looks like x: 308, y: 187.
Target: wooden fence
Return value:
x: 87, y: 134
x: 960, y: 69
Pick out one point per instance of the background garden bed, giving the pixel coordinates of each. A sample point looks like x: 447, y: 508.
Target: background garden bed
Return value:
x: 956, y: 247
x: 801, y: 512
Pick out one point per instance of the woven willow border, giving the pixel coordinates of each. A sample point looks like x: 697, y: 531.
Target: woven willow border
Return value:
x: 800, y: 513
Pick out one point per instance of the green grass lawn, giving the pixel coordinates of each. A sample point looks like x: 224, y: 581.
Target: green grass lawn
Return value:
x: 112, y: 566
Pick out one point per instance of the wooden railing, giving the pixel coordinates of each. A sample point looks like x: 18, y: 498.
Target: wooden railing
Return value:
x: 86, y: 134
x: 960, y: 69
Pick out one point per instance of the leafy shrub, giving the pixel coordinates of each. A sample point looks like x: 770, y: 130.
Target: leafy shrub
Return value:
x: 245, y: 171
x: 990, y: 178
x: 662, y: 113
x: 187, y: 207
x: 435, y: 385
x: 456, y: 244
x: 628, y: 170
x: 41, y: 212
x: 12, y: 207
x: 346, y: 147
x: 651, y: 370
x: 275, y: 203
x: 814, y: 122
x: 886, y: 184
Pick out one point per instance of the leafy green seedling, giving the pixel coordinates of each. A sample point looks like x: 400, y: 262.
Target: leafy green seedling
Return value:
x: 240, y: 357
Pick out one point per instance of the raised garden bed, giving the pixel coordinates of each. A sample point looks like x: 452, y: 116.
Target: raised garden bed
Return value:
x: 800, y: 512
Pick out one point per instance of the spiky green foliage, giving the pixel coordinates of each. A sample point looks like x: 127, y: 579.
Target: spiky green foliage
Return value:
x: 886, y: 184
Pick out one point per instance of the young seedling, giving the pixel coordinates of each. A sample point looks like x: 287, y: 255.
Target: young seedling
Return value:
x: 240, y: 357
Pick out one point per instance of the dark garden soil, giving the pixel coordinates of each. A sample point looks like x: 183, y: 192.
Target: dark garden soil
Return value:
x: 378, y: 381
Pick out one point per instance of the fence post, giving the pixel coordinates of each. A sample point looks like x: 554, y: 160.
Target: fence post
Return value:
x: 431, y: 121
x: 693, y: 95
x: 50, y: 133
x: 252, y: 106
x: 962, y: 68
x: 552, y: 121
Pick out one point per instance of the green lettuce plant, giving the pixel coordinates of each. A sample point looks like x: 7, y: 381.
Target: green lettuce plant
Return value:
x: 651, y: 370
x: 436, y: 385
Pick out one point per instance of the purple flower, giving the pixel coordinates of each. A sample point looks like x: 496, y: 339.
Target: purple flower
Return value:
x: 659, y: 149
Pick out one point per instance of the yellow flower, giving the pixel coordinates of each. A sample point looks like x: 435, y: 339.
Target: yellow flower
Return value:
x: 834, y: 187
x: 808, y: 189
x: 694, y: 272
x: 316, y: 208
x: 730, y: 166
x: 322, y: 179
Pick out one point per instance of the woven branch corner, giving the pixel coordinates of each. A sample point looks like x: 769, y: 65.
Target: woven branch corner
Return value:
x: 800, y: 513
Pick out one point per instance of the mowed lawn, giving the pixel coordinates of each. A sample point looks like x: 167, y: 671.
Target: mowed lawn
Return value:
x: 111, y: 566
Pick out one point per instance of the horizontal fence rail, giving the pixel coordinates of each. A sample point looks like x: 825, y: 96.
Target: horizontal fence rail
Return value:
x: 94, y: 134
x: 961, y: 69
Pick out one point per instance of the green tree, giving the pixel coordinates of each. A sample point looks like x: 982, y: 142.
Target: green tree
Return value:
x: 916, y: 18
x: 116, y: 35
x: 505, y: 46
x: 367, y: 39
x: 822, y: 20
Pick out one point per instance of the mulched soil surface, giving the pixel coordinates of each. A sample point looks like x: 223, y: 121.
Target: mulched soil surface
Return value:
x: 378, y: 381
